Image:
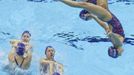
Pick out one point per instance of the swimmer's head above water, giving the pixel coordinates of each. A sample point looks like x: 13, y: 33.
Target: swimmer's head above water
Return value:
x: 50, y: 52
x: 26, y: 36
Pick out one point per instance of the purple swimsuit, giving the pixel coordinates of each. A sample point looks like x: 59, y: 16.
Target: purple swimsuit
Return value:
x: 117, y: 27
x: 92, y: 1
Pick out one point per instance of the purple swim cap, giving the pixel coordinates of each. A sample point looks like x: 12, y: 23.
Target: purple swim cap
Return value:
x: 82, y: 13
x: 112, y: 52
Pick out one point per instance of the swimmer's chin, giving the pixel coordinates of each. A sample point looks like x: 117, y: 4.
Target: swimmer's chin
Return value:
x: 88, y: 19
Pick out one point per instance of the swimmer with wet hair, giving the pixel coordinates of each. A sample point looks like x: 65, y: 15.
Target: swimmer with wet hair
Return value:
x: 21, y: 53
x: 48, y: 65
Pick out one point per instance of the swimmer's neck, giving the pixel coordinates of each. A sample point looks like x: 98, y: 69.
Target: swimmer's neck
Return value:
x: 25, y: 41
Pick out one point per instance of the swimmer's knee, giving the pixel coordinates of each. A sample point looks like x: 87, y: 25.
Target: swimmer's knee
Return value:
x: 83, y: 4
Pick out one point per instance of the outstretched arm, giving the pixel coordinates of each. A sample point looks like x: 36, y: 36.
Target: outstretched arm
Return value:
x: 100, y: 22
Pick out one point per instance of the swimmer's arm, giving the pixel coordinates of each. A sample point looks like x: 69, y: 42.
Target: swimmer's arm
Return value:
x: 75, y: 4
x: 29, y: 49
x: 101, y: 23
x: 61, y: 70
x: 14, y: 43
x: 28, y: 53
x: 41, y: 65
x: 51, y: 65
x: 43, y: 62
x: 60, y: 67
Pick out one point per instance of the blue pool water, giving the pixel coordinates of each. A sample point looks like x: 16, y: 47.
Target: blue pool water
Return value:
x: 81, y: 46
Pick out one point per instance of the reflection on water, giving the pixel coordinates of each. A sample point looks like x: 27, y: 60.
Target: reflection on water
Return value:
x: 69, y: 39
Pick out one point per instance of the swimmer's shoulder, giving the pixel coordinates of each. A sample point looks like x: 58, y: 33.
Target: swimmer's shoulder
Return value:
x: 60, y: 67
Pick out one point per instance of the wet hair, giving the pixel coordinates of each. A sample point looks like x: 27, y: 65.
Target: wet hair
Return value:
x: 26, y: 32
x: 47, y: 48
x: 112, y: 52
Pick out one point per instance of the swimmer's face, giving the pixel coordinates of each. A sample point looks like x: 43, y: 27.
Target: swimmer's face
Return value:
x: 120, y: 50
x: 50, y: 53
x: 86, y: 17
x: 25, y: 37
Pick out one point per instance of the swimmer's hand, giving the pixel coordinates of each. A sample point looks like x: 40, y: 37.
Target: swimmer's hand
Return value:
x: 108, y: 31
x: 14, y: 43
x: 25, y: 55
x: 90, y: 15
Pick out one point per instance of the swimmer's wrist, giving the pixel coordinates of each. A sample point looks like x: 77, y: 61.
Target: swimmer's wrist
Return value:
x: 94, y: 17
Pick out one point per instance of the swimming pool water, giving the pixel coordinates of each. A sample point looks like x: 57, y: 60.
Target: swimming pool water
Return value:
x: 81, y: 46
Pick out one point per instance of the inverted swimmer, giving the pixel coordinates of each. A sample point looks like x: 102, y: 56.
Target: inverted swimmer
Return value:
x: 114, y: 29
x: 48, y: 65
x: 21, y: 54
x: 103, y: 3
